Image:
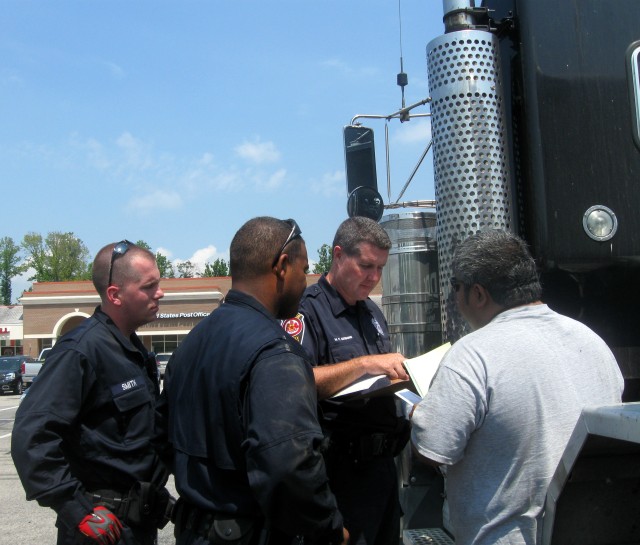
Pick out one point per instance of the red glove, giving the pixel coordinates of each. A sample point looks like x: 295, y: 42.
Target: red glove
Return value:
x: 102, y: 526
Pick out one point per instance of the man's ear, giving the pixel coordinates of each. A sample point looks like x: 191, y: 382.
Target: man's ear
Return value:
x: 482, y: 298
x: 113, y: 295
x: 337, y: 253
x: 280, y: 268
x: 475, y: 295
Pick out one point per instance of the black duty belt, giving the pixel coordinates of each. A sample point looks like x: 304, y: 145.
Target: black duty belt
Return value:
x: 218, y: 528
x: 116, y: 502
x: 145, y: 505
x: 361, y: 448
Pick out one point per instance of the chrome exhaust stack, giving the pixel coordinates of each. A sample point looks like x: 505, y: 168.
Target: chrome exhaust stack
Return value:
x: 470, y: 151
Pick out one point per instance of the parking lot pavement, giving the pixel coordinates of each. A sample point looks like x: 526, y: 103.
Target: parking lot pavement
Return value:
x: 25, y: 521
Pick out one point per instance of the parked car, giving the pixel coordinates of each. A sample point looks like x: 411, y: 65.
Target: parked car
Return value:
x: 30, y: 369
x: 161, y: 360
x: 43, y: 353
x: 11, y: 373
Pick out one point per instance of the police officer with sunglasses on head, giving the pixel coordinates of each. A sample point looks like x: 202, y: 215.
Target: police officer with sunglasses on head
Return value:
x: 239, y: 401
x: 81, y: 439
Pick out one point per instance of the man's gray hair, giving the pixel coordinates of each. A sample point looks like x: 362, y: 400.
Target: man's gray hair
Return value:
x: 357, y: 230
x: 500, y: 262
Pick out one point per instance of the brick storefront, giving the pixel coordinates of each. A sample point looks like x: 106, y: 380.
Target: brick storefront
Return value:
x: 53, y: 308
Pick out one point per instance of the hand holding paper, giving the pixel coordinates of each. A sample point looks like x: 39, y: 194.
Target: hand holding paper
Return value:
x: 421, y: 369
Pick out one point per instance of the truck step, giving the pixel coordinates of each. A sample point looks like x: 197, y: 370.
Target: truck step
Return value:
x: 426, y: 536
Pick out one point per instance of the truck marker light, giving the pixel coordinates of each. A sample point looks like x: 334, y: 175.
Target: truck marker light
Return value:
x: 600, y: 223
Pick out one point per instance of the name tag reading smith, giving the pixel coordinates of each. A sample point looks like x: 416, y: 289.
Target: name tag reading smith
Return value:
x: 126, y: 386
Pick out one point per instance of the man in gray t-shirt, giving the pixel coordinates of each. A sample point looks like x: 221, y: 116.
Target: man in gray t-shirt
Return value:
x: 507, y: 396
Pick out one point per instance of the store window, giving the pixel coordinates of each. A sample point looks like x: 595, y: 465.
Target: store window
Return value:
x: 162, y: 344
x: 11, y: 348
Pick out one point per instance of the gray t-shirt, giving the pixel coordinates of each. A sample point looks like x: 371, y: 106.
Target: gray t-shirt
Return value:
x: 499, y: 414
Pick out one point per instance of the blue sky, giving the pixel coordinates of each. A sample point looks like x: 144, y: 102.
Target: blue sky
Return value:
x: 174, y: 121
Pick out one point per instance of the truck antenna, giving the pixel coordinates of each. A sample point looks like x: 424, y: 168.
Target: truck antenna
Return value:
x: 402, y: 78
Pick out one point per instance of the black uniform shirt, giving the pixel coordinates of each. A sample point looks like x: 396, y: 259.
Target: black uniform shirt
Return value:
x: 333, y: 331
x: 87, y: 420
x: 240, y: 401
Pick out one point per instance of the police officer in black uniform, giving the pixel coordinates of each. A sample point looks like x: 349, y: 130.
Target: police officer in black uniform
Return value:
x: 81, y: 439
x: 241, y: 405
x: 346, y: 335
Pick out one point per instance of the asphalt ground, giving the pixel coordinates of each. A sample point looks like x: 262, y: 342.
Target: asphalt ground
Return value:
x: 25, y: 522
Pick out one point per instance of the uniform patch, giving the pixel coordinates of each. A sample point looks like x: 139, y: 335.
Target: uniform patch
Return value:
x: 377, y: 326
x: 127, y: 385
x: 294, y: 327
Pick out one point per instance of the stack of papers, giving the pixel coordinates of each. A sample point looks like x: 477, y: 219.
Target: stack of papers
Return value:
x: 420, y: 369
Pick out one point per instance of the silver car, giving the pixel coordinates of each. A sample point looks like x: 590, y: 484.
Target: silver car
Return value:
x: 161, y: 360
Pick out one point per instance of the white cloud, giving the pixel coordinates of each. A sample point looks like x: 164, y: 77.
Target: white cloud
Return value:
x: 156, y: 201
x: 273, y: 181
x: 206, y: 173
x: 228, y: 181
x: 137, y: 153
x: 13, y: 79
x: 258, y: 152
x: 153, y: 182
x: 415, y: 131
x: 116, y: 71
x: 206, y: 159
x: 343, y: 68
x: 332, y: 184
x: 337, y: 64
x: 97, y: 154
x: 200, y: 257
x: 21, y: 283
x: 164, y: 252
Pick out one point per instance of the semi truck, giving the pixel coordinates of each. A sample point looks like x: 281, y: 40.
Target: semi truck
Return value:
x: 535, y: 125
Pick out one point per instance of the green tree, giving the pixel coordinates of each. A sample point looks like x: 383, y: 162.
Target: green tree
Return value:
x: 218, y: 268
x: 165, y: 266
x: 324, y: 260
x: 57, y: 258
x: 186, y: 269
x: 143, y: 244
x: 9, y: 267
x: 33, y: 245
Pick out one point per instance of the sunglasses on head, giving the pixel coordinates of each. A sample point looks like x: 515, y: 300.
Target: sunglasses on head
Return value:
x: 118, y: 250
x: 295, y: 232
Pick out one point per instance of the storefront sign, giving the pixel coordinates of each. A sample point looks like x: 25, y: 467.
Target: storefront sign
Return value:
x: 165, y: 316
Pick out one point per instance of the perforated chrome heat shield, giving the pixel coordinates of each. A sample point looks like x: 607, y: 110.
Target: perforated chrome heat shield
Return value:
x: 470, y: 155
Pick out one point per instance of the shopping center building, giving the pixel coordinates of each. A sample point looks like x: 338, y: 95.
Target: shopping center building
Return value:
x: 52, y: 309
x: 11, y: 331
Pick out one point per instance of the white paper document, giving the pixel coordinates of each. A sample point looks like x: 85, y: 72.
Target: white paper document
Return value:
x: 422, y: 368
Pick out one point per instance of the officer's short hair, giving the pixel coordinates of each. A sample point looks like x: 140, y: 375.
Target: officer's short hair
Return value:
x: 354, y: 231
x: 120, y: 270
x: 500, y: 262
x: 257, y: 243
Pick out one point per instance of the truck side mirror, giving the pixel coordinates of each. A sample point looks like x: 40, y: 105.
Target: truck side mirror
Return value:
x: 360, y: 167
x: 360, y: 158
